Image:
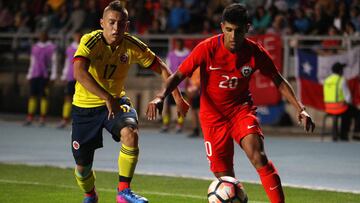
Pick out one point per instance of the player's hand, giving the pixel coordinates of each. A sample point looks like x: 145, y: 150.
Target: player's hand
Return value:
x: 112, y: 106
x: 182, y: 107
x: 153, y: 106
x: 307, y: 121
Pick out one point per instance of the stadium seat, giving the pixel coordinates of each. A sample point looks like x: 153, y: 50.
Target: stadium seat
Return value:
x: 335, y: 126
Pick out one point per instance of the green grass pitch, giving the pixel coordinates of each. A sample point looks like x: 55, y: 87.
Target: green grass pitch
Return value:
x: 40, y: 184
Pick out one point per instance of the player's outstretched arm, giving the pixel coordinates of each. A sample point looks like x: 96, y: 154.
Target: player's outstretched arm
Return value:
x: 157, y: 103
x: 287, y: 91
x: 181, y: 104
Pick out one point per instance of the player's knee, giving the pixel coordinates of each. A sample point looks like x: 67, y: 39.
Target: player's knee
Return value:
x: 129, y: 136
x: 125, y: 127
x: 83, y: 171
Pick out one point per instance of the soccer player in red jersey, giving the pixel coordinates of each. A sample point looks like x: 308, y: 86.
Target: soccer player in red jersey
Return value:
x: 227, y: 62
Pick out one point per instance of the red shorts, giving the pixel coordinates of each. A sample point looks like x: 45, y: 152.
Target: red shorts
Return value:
x: 219, y: 140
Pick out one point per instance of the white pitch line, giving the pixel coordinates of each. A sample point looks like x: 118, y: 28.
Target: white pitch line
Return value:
x: 110, y: 190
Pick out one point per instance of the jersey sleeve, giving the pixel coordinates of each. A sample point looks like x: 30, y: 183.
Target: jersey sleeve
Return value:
x: 140, y: 52
x: 195, y: 59
x: 83, y: 50
x: 265, y: 63
x: 146, y: 58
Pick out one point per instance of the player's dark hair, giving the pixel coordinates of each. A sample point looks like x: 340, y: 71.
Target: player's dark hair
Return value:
x: 116, y: 6
x: 236, y: 13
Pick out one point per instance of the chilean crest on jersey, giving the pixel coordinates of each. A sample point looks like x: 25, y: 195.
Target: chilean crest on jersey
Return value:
x: 246, y: 71
x: 124, y: 58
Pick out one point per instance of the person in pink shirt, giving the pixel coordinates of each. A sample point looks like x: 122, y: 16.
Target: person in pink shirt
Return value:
x: 42, y: 69
x: 68, y: 77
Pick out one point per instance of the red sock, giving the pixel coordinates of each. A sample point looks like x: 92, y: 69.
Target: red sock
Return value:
x: 123, y: 185
x: 271, y: 182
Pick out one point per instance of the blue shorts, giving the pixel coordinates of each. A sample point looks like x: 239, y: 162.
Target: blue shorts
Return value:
x: 88, y: 124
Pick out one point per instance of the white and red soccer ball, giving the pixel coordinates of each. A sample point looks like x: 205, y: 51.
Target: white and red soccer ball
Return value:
x: 226, y: 189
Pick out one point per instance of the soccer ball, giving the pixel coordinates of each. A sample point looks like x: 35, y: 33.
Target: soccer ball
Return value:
x: 226, y: 189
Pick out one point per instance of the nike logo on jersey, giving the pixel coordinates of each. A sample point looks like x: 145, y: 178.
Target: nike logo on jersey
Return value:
x: 273, y: 188
x: 251, y: 126
x: 211, y: 68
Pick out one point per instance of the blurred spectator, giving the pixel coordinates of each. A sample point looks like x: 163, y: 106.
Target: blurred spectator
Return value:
x: 68, y: 77
x: 60, y: 19
x: 302, y: 23
x: 261, y: 20
x: 278, y: 26
x: 44, y: 21
x: 350, y: 30
x: 178, y: 17
x: 155, y: 27
x: 321, y: 21
x: 173, y: 60
x: 76, y: 20
x: 328, y: 6
x: 341, y: 16
x: 281, y: 5
x: 355, y: 16
x: 43, y: 67
x: 142, y: 18
x: 207, y: 28
x: 6, y: 17
x: 92, y: 17
x: 252, y: 5
x: 22, y: 18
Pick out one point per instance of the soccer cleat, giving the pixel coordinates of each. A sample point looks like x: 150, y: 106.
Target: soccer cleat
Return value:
x: 29, y: 120
x: 164, y: 129
x: 91, y: 199
x: 178, y: 129
x: 127, y: 196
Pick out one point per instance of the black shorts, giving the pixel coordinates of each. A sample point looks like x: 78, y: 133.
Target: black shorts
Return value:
x: 70, y: 88
x: 88, y: 124
x: 39, y: 87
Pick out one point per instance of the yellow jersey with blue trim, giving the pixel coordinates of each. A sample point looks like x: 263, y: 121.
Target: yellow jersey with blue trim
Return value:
x: 109, y: 67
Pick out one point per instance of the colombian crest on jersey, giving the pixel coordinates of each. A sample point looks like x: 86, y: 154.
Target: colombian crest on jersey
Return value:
x: 246, y: 71
x: 124, y: 58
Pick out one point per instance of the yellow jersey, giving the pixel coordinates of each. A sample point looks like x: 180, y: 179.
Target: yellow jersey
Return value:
x: 109, y: 67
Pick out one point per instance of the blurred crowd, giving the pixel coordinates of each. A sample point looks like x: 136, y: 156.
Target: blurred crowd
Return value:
x: 317, y: 17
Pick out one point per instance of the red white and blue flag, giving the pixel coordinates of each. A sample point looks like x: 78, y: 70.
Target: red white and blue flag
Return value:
x: 312, y: 69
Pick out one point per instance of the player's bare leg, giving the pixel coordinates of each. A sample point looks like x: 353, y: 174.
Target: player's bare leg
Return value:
x: 253, y: 147
x: 127, y: 161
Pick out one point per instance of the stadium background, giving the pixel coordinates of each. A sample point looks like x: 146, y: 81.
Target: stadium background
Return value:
x: 326, y: 27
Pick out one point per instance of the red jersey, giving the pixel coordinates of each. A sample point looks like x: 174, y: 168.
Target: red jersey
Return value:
x: 225, y: 76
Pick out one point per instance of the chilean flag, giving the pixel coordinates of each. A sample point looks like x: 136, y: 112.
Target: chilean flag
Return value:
x: 312, y: 69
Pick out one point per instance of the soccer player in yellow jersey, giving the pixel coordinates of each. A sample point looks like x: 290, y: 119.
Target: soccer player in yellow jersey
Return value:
x: 101, y: 64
